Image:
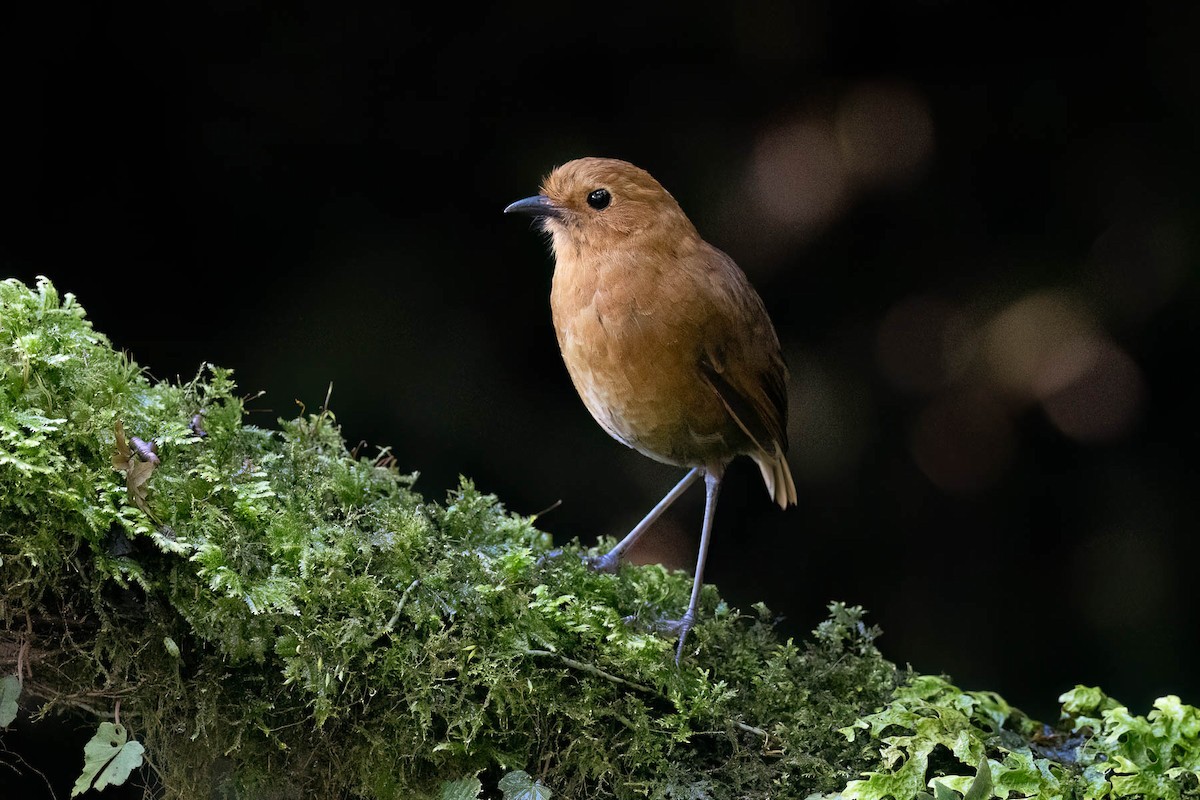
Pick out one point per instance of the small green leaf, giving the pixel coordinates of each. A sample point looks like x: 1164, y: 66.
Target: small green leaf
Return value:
x: 520, y: 786
x: 1084, y: 699
x: 981, y: 787
x: 462, y: 789
x: 942, y: 792
x: 10, y: 690
x: 108, y: 758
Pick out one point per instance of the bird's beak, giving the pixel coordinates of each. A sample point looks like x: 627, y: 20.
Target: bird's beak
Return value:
x: 537, y: 206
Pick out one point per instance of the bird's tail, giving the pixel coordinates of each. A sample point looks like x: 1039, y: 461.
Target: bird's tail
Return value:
x: 777, y: 476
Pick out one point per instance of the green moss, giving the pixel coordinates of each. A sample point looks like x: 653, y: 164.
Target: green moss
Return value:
x: 270, y: 615
x: 278, y: 617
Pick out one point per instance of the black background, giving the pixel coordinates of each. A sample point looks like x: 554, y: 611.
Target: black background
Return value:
x: 313, y: 196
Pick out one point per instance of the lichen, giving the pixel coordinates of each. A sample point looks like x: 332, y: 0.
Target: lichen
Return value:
x: 933, y: 734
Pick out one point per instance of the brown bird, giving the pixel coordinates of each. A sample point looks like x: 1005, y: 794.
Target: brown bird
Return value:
x: 665, y: 339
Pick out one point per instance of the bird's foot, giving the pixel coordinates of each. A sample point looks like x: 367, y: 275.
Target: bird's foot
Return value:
x: 552, y: 555
x: 670, y: 628
x: 678, y: 627
x: 609, y: 562
x: 674, y: 627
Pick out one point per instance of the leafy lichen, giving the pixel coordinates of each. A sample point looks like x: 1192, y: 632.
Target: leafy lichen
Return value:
x: 270, y: 615
x: 932, y: 732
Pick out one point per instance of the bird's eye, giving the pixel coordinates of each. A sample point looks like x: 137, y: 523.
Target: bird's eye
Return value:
x: 599, y: 199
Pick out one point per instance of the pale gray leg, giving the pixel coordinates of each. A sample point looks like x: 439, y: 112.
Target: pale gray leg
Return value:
x: 712, y: 487
x: 609, y: 561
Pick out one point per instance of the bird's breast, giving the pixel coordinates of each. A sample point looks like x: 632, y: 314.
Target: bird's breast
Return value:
x: 631, y: 341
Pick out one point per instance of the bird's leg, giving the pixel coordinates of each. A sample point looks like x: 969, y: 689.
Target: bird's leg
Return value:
x: 608, y: 562
x: 712, y: 487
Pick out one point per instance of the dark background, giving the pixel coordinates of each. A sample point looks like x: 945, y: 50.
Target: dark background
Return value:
x: 974, y: 226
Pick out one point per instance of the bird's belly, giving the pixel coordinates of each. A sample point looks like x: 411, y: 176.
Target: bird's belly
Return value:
x: 646, y: 391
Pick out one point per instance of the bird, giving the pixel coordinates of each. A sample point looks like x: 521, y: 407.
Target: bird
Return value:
x: 665, y: 339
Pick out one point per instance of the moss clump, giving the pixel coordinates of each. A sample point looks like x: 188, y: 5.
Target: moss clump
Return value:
x: 273, y: 616
x: 265, y: 614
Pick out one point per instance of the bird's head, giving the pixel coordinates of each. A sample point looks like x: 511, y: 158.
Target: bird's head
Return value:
x: 600, y: 202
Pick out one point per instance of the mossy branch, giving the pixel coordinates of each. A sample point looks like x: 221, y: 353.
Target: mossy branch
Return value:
x: 275, y: 616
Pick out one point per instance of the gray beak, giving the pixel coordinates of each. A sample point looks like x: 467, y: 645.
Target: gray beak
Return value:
x: 536, y: 206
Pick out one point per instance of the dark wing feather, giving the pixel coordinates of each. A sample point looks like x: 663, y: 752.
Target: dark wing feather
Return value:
x: 741, y: 358
x: 758, y: 406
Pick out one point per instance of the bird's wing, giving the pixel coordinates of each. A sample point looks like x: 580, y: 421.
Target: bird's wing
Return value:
x: 756, y: 402
x: 743, y: 363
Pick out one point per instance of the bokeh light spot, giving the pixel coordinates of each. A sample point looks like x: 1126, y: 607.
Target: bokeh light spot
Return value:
x: 885, y: 132
x: 1092, y: 390
x: 1025, y: 336
x: 797, y: 178
x: 963, y: 441
x: 912, y: 343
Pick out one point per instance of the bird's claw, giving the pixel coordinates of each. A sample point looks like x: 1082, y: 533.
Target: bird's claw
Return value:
x: 550, y: 556
x: 669, y: 628
x: 608, y: 562
x: 605, y: 563
x: 674, y: 627
x: 680, y: 628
